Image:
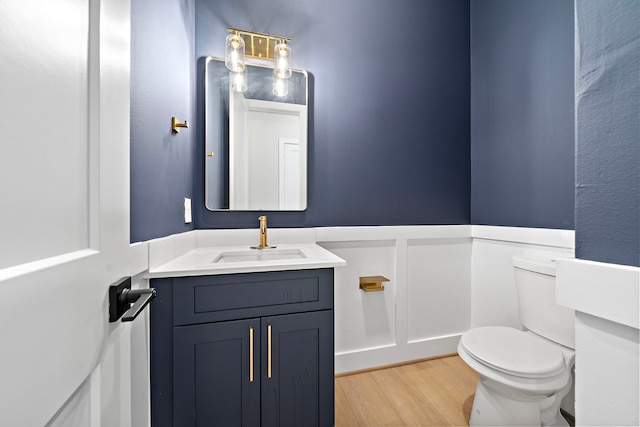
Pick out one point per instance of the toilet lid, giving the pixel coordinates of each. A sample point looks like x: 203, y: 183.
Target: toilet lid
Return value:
x: 513, y: 352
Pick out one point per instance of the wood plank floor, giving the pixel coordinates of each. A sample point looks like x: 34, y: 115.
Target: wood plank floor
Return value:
x: 436, y: 392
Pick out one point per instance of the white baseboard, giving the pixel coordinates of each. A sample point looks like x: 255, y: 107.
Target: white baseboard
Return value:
x: 394, y: 354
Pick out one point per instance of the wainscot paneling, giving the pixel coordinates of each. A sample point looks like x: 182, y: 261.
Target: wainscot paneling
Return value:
x: 438, y: 285
x: 606, y: 299
x: 443, y: 280
x: 425, y: 305
x: 493, y: 292
x: 364, y: 319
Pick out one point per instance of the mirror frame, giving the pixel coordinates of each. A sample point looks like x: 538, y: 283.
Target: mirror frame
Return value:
x: 225, y: 133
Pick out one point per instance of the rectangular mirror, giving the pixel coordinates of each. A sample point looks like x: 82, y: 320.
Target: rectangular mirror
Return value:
x: 255, y: 141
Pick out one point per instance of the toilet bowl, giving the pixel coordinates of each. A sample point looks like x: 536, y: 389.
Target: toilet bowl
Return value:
x: 524, y: 374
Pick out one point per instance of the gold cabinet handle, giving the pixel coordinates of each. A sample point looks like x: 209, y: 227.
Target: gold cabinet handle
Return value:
x: 250, y: 354
x: 268, y: 351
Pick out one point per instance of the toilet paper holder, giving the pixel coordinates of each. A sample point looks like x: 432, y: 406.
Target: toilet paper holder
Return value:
x: 372, y: 283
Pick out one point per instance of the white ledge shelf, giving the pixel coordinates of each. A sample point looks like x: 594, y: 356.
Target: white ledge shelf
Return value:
x: 608, y: 291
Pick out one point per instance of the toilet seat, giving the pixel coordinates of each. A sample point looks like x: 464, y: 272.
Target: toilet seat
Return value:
x: 514, y: 352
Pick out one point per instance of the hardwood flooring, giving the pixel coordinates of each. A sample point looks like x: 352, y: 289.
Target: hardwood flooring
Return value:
x: 436, y: 392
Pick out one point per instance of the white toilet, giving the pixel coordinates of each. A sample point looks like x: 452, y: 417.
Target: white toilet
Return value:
x: 524, y: 374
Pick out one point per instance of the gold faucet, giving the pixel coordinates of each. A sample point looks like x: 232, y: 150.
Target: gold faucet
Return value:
x: 263, y: 234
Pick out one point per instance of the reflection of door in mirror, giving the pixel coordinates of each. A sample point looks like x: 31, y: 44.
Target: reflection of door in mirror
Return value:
x: 289, y: 161
x: 266, y: 158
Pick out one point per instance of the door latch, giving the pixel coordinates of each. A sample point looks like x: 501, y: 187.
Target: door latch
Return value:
x: 121, y: 298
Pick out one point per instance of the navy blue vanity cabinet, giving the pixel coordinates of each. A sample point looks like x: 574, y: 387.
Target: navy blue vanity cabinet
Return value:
x: 245, y: 349
x: 212, y: 374
x: 297, y: 370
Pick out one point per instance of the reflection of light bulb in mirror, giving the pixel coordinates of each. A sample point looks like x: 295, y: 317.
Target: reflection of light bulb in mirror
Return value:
x: 238, y: 80
x: 282, y: 57
x: 280, y: 87
x: 234, y: 53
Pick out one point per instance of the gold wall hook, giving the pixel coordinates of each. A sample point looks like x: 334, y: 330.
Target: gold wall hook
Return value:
x: 175, y: 125
x: 372, y: 283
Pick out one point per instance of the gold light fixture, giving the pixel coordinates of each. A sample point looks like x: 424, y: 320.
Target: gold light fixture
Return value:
x: 234, y: 53
x: 259, y: 45
x: 242, y: 43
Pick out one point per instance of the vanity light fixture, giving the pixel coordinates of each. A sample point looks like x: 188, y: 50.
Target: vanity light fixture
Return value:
x: 282, y: 68
x: 259, y: 45
x: 282, y: 55
x: 242, y: 43
x: 234, y: 53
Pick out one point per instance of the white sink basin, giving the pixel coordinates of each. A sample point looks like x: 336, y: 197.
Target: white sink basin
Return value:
x: 256, y: 255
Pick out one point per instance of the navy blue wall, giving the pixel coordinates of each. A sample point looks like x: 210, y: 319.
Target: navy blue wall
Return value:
x: 162, y: 86
x: 389, y: 139
x: 608, y: 131
x: 522, y: 114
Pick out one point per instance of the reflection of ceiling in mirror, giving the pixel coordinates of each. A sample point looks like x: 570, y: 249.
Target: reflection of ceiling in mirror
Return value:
x: 260, y: 84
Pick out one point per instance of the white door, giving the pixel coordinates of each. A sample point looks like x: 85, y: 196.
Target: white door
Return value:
x: 64, y: 208
x: 289, y: 179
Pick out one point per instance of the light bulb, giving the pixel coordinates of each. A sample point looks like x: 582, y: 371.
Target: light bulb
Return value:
x: 234, y: 53
x: 282, y: 57
x: 280, y: 86
x: 238, y: 80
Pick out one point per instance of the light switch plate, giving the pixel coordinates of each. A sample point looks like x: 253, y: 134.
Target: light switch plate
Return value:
x: 187, y: 211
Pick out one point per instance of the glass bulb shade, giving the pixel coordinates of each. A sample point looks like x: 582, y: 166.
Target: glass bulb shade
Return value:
x: 238, y: 80
x: 234, y: 53
x: 280, y: 86
x: 282, y: 58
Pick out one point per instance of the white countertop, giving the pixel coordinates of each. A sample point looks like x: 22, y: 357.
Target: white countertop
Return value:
x: 200, y: 261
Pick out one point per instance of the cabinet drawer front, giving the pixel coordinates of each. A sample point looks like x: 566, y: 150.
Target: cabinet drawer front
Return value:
x: 235, y: 296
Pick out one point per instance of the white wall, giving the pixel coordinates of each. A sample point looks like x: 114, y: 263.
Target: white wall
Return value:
x: 425, y: 306
x: 493, y: 292
x: 606, y: 298
x: 606, y: 373
x: 444, y: 280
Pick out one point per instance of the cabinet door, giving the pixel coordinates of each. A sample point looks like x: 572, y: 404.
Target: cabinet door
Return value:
x: 297, y: 370
x: 216, y: 370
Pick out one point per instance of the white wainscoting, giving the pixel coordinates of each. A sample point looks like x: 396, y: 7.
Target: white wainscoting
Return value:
x: 425, y: 306
x: 443, y: 280
x: 606, y: 298
x: 493, y: 293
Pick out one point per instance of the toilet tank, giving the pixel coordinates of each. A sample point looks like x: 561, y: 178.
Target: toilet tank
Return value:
x: 536, y: 291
